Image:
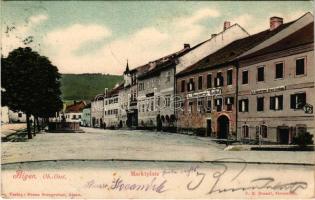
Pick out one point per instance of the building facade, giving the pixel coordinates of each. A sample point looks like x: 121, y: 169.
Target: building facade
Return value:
x: 112, y: 108
x: 97, y: 111
x: 86, y: 116
x: 208, y: 90
x: 130, y: 94
x: 9, y: 116
x: 276, y: 87
x: 206, y: 102
x: 156, y: 91
x: 73, y: 112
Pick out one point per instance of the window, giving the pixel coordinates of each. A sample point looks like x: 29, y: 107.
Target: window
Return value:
x: 200, y: 83
x: 260, y: 103
x: 74, y: 117
x: 300, y: 66
x: 190, y: 106
x: 152, y: 105
x: 276, y: 102
x: 264, y: 131
x: 245, y: 131
x: 79, y: 116
x: 279, y: 70
x: 183, y: 86
x: 209, y: 81
x: 298, y: 101
x: 229, y: 77
x: 191, y: 85
x: 133, y: 79
x: 208, y: 105
x: 260, y: 74
x: 245, y: 77
x: 219, y: 80
x: 229, y: 101
x: 218, y: 103
x: 168, y: 77
x: 243, y: 105
x: 167, y: 101
x: 20, y: 115
x: 200, y: 104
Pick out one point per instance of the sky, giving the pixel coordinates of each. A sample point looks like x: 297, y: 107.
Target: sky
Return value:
x: 99, y: 36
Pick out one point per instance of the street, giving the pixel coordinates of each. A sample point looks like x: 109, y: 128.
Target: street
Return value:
x: 111, y: 163
x: 98, y: 144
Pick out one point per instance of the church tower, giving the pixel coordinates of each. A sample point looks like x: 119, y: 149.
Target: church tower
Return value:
x: 127, y: 77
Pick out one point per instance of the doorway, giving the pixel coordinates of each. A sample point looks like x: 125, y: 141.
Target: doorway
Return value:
x: 223, y: 127
x: 209, y: 132
x: 283, y: 135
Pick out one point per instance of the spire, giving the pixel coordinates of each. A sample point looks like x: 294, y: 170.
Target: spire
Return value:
x: 127, y: 68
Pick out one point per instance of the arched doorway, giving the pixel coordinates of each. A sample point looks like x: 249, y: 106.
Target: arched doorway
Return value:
x: 223, y: 127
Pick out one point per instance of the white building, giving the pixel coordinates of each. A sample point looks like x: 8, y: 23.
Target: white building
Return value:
x: 112, y: 108
x: 97, y: 111
x: 216, y: 42
x: 73, y: 112
x: 9, y: 116
x: 86, y: 116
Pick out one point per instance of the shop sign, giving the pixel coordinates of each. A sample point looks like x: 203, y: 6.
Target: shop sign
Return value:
x: 267, y: 90
x: 207, y: 93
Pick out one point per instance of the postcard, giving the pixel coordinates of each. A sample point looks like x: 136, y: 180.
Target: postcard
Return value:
x: 157, y: 100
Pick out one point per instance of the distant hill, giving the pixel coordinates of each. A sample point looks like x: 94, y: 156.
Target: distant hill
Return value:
x: 86, y: 86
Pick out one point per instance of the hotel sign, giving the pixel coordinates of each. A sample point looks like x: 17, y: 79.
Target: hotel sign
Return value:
x: 267, y: 90
x: 207, y: 93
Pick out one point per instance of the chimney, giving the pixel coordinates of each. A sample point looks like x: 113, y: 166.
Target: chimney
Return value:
x: 186, y: 46
x: 75, y: 102
x: 275, y: 22
x: 105, y: 92
x: 226, y: 25
x: 213, y: 35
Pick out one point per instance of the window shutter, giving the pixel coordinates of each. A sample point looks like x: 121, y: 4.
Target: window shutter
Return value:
x: 240, y: 106
x: 232, y: 100
x: 221, y: 80
x: 272, y: 103
x: 280, y: 99
x: 246, y: 105
x: 303, y: 99
x: 293, y: 102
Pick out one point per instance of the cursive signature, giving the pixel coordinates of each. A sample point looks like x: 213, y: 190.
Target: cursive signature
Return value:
x: 119, y: 184
x: 261, y: 183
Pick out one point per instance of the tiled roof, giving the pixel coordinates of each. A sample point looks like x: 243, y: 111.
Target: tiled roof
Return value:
x: 150, y: 69
x: 115, y: 90
x: 76, y: 107
x: 303, y: 36
x: 163, y: 63
x: 230, y: 52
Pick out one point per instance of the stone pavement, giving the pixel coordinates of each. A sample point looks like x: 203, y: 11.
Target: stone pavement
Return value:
x: 97, y: 144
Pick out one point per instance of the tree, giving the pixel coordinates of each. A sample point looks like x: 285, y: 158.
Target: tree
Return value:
x: 303, y: 139
x: 31, y: 85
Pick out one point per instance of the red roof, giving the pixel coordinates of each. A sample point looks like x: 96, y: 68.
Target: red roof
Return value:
x: 76, y: 107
